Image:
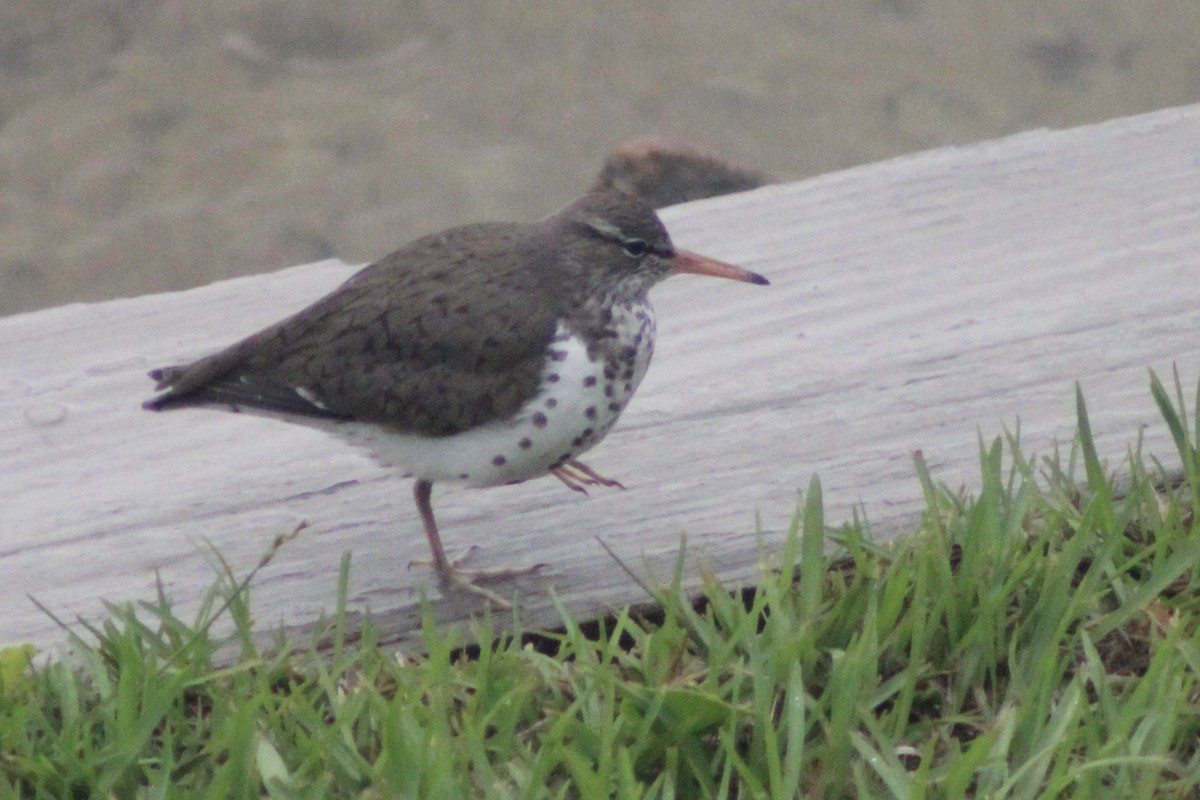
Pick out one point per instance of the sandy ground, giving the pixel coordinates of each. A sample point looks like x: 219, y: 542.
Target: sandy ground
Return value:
x: 147, y: 145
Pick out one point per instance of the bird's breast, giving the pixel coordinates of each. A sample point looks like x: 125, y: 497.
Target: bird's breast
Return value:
x: 588, y: 378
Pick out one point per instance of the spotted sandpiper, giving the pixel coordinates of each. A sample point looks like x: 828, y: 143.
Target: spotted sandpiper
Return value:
x: 665, y: 170
x: 487, y: 354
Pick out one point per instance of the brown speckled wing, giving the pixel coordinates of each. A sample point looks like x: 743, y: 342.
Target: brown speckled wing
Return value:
x: 443, y: 335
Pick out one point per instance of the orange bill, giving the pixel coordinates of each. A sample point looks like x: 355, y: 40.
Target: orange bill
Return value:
x: 687, y: 261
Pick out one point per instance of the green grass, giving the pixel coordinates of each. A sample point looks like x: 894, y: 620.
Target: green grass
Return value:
x: 1039, y: 639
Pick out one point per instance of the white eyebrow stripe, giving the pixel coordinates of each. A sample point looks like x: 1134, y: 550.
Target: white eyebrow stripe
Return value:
x: 605, y: 228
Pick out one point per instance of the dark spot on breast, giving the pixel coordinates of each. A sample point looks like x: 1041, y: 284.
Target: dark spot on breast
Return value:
x: 610, y: 373
x: 538, y: 419
x: 552, y: 377
x: 558, y: 355
x: 608, y: 390
x: 614, y: 407
x: 590, y: 380
x: 525, y: 443
x: 499, y: 461
x: 591, y: 412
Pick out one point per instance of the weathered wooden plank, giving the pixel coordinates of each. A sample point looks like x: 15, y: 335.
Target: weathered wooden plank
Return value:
x: 915, y: 303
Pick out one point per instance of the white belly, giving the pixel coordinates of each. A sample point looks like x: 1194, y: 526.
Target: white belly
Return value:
x: 579, y: 402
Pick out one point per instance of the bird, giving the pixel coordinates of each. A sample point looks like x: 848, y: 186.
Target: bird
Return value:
x: 666, y: 170
x: 486, y: 354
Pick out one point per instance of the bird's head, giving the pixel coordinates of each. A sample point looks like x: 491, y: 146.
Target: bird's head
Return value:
x: 620, y: 241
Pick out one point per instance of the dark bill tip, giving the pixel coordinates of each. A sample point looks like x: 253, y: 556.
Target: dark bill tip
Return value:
x: 696, y: 264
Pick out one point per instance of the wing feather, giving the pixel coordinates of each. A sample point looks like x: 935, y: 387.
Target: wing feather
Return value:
x: 423, y: 341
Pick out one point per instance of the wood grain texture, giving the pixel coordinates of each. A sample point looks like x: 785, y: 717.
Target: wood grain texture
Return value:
x: 915, y: 303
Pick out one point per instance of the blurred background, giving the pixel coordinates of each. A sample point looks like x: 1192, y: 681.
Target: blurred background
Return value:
x: 148, y: 145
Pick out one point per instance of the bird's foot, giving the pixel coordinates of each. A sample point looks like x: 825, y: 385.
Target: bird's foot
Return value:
x: 453, y: 577
x: 576, y: 474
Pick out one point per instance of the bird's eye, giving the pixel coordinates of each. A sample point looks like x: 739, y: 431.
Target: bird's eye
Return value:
x: 635, y: 247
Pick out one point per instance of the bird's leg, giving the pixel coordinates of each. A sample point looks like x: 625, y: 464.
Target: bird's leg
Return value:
x: 571, y: 480
x: 595, y: 477
x: 448, y: 569
x: 575, y: 474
